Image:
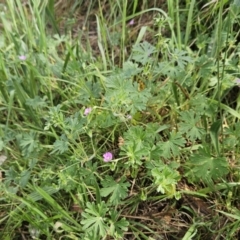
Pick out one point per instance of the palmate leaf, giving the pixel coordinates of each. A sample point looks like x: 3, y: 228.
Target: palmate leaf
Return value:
x: 125, y: 94
x: 135, y: 134
x: 141, y: 139
x: 117, y: 226
x: 138, y: 99
x: 165, y: 68
x: 117, y: 190
x: 60, y: 146
x: 36, y: 102
x: 136, y: 145
x: 188, y: 125
x: 94, y: 218
x: 180, y: 57
x: 166, y: 179
x: 134, y: 153
x: 205, y: 167
x: 88, y: 90
x: 28, y: 143
x: 171, y: 147
x: 24, y: 178
x: 130, y: 69
x: 142, y: 52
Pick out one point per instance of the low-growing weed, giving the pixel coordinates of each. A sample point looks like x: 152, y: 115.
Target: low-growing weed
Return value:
x: 91, y: 149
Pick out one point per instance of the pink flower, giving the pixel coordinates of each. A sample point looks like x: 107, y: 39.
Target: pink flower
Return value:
x: 22, y: 57
x: 87, y: 111
x: 131, y: 22
x: 107, y: 157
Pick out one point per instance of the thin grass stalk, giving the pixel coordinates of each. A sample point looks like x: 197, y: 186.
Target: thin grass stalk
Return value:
x: 50, y: 13
x: 8, y: 30
x: 3, y: 77
x: 11, y: 8
x: 55, y: 205
x: 219, y: 46
x: 100, y: 45
x: 25, y: 22
x: 29, y: 33
x: 189, y: 21
x: 171, y: 7
x: 175, y: 93
x: 135, y: 4
x: 179, y: 35
x: 124, y: 21
x: 21, y: 15
x: 38, y: 12
x: 9, y: 106
x: 172, y: 20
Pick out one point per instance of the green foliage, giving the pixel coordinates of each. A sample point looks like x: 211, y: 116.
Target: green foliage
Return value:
x: 163, y: 102
x: 214, y: 133
x: 28, y: 143
x: 117, y: 227
x: 123, y: 94
x: 171, y: 146
x: 117, y: 190
x: 232, y: 136
x: 89, y: 91
x: 36, y: 102
x: 94, y: 218
x: 60, y: 146
x: 142, y: 52
x: 203, y: 166
x: 189, y: 125
x: 97, y: 221
x: 166, y: 179
x: 139, y: 144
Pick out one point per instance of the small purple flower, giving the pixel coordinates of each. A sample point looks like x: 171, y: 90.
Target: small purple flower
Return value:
x: 107, y: 157
x: 87, y: 111
x: 131, y: 22
x: 22, y: 57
